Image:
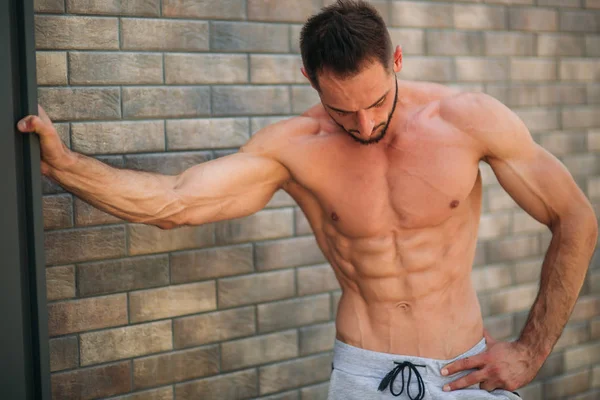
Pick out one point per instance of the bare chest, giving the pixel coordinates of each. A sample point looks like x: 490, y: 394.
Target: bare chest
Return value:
x: 418, y: 181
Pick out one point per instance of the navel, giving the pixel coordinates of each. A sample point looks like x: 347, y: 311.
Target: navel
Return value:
x: 334, y: 216
x: 403, y: 305
x: 454, y: 203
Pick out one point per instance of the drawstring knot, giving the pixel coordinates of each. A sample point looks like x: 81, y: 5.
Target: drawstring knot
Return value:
x: 398, y: 369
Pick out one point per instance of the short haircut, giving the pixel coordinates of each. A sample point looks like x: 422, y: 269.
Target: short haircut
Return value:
x: 342, y: 38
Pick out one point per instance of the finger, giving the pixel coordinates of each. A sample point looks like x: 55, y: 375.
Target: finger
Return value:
x: 33, y: 123
x: 463, y: 364
x: 43, y: 115
x: 466, y: 381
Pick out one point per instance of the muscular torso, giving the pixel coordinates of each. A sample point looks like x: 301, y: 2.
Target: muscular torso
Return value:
x: 398, y: 224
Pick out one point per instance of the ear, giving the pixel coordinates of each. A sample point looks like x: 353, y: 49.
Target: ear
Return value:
x: 398, y: 59
x: 309, y: 80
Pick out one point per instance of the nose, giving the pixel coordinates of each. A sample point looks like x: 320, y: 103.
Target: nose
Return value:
x: 365, y: 123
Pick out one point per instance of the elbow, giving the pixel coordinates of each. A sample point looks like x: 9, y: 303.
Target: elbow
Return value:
x: 584, y: 222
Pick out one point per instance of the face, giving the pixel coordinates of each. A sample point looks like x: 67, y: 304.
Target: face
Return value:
x: 362, y: 105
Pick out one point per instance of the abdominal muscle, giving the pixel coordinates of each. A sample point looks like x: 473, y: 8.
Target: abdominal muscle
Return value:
x: 418, y: 306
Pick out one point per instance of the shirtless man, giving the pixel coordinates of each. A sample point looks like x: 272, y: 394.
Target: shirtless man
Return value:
x: 386, y: 172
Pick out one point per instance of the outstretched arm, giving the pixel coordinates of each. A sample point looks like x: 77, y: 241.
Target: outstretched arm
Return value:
x: 233, y: 186
x: 543, y: 187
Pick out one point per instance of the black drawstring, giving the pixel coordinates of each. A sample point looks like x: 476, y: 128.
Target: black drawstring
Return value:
x: 391, y: 377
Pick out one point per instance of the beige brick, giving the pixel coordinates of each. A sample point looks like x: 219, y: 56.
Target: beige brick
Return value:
x: 581, y: 117
x: 79, y: 103
x: 491, y: 277
x: 584, y: 164
x: 513, y: 248
x: 380, y: 5
x: 112, y: 276
x: 533, y: 19
x: 592, y: 4
x: 76, y: 33
x: 291, y: 313
x: 92, y: 383
x: 479, y: 17
x: 268, y: 224
x: 236, y: 386
x: 436, y: 69
x: 259, y: 350
x: 282, y: 10
x: 591, y: 395
x: 532, y: 69
x: 480, y: 255
x: 281, y: 199
x: 236, y: 100
x: 166, y: 163
x: 190, y: 134
x: 592, y: 45
x: 63, y: 247
x: 146, y: 239
x: 294, y: 34
x: 213, y: 327
x: 593, y: 187
x: 508, y: 44
x: 207, y: 9
x: 57, y: 211
x: 276, y: 69
x: 499, y: 199
x: 335, y: 301
x: 539, y: 119
x: 165, y: 393
x: 560, y: 143
x: 125, y: 342
x: 87, y: 314
x: 289, y: 395
x: 197, y: 265
x: 51, y: 67
x: 578, y: 21
x: 258, y: 123
x: 315, y: 392
x: 560, y: 44
x: 573, y: 335
x: 316, y: 279
x: 454, y: 43
x: 559, y: 3
x: 586, y: 307
x: 494, y: 225
x: 86, y: 215
x: 170, y: 102
x: 149, y: 8
x: 524, y: 223
x: 287, y: 253
x: 186, y: 69
x: 595, y: 328
x: 532, y: 391
x: 249, y: 37
x: 481, y: 69
x: 593, y: 140
x: 500, y: 327
x: 249, y: 289
x: 516, y: 298
x: 553, y: 366
x: 118, y: 137
x: 303, y: 98
x: 416, y: 14
x: 528, y: 270
x: 167, y: 35
x: 290, y: 374
x: 60, y: 282
x: 567, y: 385
x: 579, y: 69
x: 48, y: 6
x: 175, y: 367
x: 302, y: 225
x: 64, y: 353
x: 562, y: 94
x: 411, y: 40
x: 114, y: 68
x: 317, y: 338
x: 172, y: 301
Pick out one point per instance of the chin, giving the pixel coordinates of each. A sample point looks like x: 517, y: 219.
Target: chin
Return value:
x: 371, y: 140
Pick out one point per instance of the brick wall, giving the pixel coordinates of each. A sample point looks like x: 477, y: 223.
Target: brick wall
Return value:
x: 245, y: 308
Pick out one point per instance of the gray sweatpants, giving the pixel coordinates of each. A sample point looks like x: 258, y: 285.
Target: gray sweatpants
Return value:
x: 357, y: 374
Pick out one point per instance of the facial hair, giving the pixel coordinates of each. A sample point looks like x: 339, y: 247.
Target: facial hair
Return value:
x: 384, y: 124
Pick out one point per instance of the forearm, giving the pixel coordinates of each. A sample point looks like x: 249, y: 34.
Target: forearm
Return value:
x: 135, y: 196
x: 562, y: 276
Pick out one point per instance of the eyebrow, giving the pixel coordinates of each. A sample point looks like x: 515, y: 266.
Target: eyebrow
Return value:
x: 371, y: 106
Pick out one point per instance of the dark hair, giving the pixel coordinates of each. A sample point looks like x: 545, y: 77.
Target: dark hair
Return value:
x: 342, y: 37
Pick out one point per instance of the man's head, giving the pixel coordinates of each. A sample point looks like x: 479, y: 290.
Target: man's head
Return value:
x: 348, y: 58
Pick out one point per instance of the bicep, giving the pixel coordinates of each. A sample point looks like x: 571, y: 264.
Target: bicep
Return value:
x: 233, y: 186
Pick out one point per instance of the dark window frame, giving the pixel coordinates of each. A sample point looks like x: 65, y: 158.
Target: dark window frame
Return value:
x: 24, y: 354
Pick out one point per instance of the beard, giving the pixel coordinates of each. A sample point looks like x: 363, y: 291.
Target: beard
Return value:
x: 384, y: 125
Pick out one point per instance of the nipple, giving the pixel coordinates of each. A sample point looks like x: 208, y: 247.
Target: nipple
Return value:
x: 454, y: 203
x: 334, y: 216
